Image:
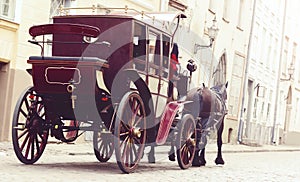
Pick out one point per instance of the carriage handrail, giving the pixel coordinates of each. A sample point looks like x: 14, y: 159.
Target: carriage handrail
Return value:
x: 108, y: 11
x: 61, y: 28
x: 64, y: 28
x: 152, y: 16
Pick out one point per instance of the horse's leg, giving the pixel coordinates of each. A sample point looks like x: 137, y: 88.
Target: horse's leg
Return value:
x: 219, y: 159
x: 171, y: 153
x: 202, y: 160
x: 196, y: 160
x: 151, y: 157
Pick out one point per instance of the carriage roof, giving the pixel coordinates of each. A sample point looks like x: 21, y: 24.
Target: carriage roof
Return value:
x: 162, y: 21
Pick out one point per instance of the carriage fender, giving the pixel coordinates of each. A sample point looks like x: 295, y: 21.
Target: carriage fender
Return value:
x: 167, y: 119
x: 142, y: 88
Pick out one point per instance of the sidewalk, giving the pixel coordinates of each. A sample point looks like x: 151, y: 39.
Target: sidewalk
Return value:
x: 86, y: 148
x: 239, y: 148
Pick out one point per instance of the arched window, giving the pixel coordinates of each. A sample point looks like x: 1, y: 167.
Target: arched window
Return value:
x: 219, y: 74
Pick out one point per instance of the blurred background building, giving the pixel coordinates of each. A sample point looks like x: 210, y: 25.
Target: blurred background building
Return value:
x: 255, y: 49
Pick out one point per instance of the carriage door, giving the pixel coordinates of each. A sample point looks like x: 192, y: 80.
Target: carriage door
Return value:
x: 156, y: 84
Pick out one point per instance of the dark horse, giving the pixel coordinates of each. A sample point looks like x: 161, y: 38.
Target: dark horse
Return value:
x: 209, y: 109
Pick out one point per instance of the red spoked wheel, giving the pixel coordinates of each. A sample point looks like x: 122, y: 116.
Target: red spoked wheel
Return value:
x: 186, y: 141
x: 29, y: 130
x: 130, y: 132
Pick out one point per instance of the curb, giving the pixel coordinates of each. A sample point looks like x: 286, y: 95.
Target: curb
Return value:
x: 260, y: 150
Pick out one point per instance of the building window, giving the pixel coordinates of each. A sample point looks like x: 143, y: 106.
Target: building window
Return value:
x: 7, y: 9
x: 226, y: 10
x: 255, y: 108
x: 241, y: 16
x: 219, y: 73
x: 56, y: 4
x: 268, y: 112
x: 275, y: 52
x: 263, y: 46
x: 255, y: 44
x: 294, y: 53
x: 213, y: 4
x: 269, y: 55
x: 285, y: 55
x: 236, y: 85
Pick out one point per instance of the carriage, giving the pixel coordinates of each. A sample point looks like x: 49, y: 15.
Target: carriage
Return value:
x: 110, y: 75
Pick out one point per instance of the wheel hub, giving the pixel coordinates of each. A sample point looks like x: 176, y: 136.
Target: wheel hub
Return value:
x: 135, y: 132
x: 191, y: 142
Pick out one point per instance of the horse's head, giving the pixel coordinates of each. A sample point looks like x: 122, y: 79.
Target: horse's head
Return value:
x: 221, y: 89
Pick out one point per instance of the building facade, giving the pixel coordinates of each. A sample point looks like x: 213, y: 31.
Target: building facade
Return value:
x: 289, y: 123
x: 226, y: 60
x: 16, y: 16
x: 271, y: 93
x: 8, y: 44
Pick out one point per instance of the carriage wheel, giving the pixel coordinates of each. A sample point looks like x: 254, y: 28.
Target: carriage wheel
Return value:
x: 70, y: 131
x: 186, y: 141
x: 103, y: 145
x: 130, y: 132
x: 29, y: 132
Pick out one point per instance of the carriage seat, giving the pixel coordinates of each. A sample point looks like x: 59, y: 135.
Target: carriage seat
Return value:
x: 63, y: 58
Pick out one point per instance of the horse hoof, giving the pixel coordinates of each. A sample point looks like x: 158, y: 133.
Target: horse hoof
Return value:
x: 172, y: 157
x: 196, y: 163
x: 151, y: 159
x: 202, y: 163
x: 219, y: 161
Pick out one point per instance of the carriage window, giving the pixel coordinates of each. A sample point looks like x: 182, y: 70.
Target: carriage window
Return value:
x: 154, y: 53
x: 139, y: 46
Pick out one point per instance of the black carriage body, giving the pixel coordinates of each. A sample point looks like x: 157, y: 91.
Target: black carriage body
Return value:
x: 53, y: 75
x: 124, y: 43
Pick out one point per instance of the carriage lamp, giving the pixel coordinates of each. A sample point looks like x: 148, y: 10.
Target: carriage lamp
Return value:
x: 191, y: 66
x: 212, y: 34
x: 291, y: 70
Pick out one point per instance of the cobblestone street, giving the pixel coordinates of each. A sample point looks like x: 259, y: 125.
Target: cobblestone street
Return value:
x: 76, y: 162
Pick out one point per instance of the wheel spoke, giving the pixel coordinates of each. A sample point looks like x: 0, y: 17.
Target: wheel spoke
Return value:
x: 43, y: 138
x: 135, y: 113
x: 136, y: 140
x: 28, y: 147
x: 134, y: 150
x: 106, y: 150
x: 32, y: 146
x: 26, y: 104
x: 125, y: 126
x: 24, y: 142
x: 124, y: 153
x: 131, y: 154
x: 100, y: 146
x: 23, y: 112
x: 37, y: 145
x: 24, y: 132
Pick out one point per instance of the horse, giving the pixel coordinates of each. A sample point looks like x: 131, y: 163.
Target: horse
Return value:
x: 209, y: 109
